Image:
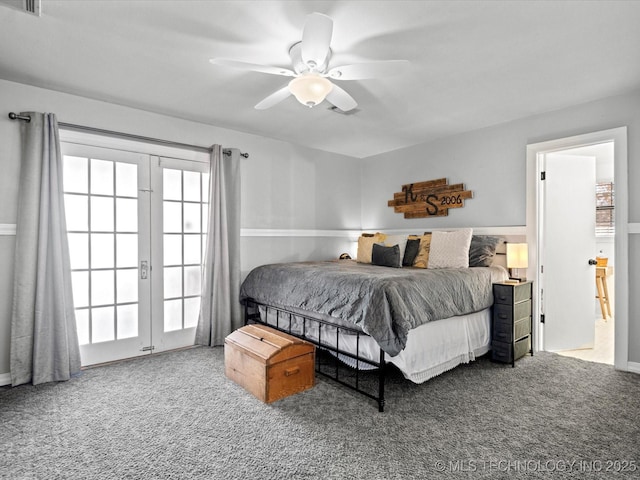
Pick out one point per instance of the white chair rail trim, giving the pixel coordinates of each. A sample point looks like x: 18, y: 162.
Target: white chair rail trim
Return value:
x: 7, y: 228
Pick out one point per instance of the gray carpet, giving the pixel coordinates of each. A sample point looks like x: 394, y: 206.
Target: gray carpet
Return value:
x: 175, y: 415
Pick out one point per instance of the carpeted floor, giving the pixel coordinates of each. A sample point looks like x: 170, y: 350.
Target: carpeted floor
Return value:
x: 176, y: 416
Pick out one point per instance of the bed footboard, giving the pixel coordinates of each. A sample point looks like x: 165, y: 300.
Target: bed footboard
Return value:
x: 331, y: 338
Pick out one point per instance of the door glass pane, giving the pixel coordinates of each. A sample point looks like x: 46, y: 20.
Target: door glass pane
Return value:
x: 172, y: 282
x: 80, y: 287
x: 191, y: 312
x: 126, y: 215
x: 126, y: 179
x: 191, y: 186
x: 102, y: 252
x: 172, y: 249
x: 172, y: 217
x: 192, y: 249
x: 127, y: 286
x: 102, y: 287
x: 82, y: 326
x: 75, y: 174
x: 192, y: 280
x: 102, y: 325
x: 102, y: 214
x: 78, y: 250
x: 171, y: 184
x: 127, y: 321
x: 76, y: 211
x: 127, y: 250
x: 172, y: 315
x: 192, y: 217
x: 101, y: 177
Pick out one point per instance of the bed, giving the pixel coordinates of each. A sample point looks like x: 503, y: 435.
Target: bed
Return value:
x: 425, y: 321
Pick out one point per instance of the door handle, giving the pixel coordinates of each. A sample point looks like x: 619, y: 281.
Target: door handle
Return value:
x: 144, y: 269
x: 593, y: 261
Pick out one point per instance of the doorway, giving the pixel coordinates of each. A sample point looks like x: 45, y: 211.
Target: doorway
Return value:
x: 536, y: 154
x: 136, y: 226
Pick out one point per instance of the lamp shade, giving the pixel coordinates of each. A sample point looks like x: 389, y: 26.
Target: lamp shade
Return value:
x: 310, y: 89
x: 517, y: 255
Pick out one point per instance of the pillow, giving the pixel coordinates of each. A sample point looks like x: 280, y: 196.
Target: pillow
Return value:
x: 411, y: 252
x: 365, y: 245
x: 385, y: 256
x: 450, y: 249
x: 482, y: 250
x: 422, y: 259
x: 400, y: 240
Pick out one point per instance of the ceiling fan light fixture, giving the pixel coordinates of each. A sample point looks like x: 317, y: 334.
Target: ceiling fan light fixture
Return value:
x: 310, y: 89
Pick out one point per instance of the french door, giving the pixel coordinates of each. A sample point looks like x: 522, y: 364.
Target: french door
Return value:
x: 136, y: 226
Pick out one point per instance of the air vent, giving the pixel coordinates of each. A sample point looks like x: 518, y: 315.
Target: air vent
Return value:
x: 29, y: 6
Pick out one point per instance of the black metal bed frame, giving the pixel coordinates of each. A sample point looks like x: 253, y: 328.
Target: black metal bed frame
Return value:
x: 284, y: 323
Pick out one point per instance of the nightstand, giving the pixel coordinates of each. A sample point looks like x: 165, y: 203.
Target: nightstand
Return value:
x: 511, y: 334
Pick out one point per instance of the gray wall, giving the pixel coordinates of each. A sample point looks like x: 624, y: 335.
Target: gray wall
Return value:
x: 289, y: 188
x: 294, y: 189
x: 491, y: 162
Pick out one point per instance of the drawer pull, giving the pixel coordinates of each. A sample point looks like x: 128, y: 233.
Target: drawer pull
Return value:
x: 503, y: 316
x: 291, y: 371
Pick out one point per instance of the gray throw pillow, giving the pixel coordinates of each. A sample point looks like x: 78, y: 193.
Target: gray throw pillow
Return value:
x: 386, y: 256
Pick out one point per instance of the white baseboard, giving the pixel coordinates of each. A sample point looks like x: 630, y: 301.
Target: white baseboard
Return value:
x: 633, y: 367
x: 5, y: 379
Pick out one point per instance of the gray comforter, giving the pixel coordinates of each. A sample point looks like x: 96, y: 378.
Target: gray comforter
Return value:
x: 384, y: 302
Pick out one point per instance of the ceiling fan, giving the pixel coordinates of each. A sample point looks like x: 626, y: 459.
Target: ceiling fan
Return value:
x: 311, y: 83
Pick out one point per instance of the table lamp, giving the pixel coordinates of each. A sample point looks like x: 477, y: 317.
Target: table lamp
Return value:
x: 517, y: 258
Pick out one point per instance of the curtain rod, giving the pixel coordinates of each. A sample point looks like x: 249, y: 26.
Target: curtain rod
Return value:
x: 71, y: 126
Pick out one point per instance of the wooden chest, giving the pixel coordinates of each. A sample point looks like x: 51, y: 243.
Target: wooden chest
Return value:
x: 268, y: 363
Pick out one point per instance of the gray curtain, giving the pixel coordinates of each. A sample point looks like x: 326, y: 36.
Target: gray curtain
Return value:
x: 44, y: 342
x: 219, y: 304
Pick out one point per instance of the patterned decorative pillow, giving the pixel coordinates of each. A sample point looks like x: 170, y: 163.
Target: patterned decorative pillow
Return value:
x: 422, y: 259
x: 482, y: 250
x: 450, y: 249
x: 386, y: 256
x: 365, y: 246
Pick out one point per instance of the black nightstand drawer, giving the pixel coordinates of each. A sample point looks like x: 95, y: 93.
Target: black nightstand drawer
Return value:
x: 510, y: 313
x: 502, y: 351
x: 510, y: 294
x: 506, y: 332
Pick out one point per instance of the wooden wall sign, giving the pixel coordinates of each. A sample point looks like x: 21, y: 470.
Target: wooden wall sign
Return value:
x: 433, y: 198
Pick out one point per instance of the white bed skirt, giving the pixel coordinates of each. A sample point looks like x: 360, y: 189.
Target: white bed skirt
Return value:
x: 432, y: 348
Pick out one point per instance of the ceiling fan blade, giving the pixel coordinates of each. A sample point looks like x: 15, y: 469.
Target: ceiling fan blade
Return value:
x: 316, y: 38
x: 253, y: 67
x: 341, y: 99
x: 274, y: 98
x: 360, y: 71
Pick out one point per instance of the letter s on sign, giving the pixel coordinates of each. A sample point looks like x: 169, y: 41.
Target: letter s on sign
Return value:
x: 434, y: 210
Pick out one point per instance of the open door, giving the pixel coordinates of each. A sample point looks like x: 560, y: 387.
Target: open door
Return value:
x: 568, y: 240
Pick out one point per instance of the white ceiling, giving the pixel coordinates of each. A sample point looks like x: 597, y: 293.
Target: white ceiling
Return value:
x: 473, y: 64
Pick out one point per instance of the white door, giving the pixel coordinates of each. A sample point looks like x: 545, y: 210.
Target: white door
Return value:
x: 107, y: 211
x: 179, y: 226
x: 136, y: 226
x: 568, y: 243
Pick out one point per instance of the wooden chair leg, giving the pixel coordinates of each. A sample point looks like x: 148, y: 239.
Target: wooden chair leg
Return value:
x: 606, y: 295
x: 601, y: 296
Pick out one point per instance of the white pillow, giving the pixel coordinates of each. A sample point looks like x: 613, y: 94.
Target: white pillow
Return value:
x: 400, y: 240
x: 450, y: 249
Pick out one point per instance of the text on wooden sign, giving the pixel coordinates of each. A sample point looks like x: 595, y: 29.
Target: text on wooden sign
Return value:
x: 432, y: 198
